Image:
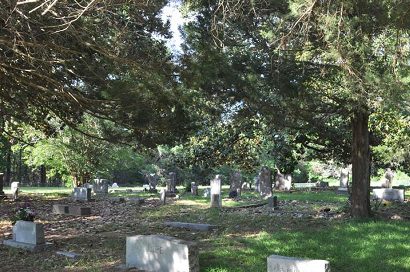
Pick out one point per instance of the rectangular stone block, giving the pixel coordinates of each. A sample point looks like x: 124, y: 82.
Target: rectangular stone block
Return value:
x: 60, y: 209
x: 389, y: 194
x: 30, y: 247
x: 304, y: 185
x: 278, y: 263
x: 79, y: 211
x: 28, y: 232
x: 82, y: 194
x: 161, y: 254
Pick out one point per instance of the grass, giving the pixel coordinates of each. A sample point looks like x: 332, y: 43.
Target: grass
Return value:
x: 244, y: 239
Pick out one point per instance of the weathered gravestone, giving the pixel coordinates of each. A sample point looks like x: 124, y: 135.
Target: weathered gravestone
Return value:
x: 207, y: 192
x: 278, y: 263
x: 388, y: 179
x: 194, y: 189
x: 257, y: 183
x: 344, y: 178
x: 389, y: 194
x: 163, y: 196
x: 152, y: 182
x: 265, y: 182
x: 27, y: 235
x: 235, y: 183
x: 216, y: 190
x: 71, y: 210
x: 15, y: 189
x: 82, y: 194
x: 283, y: 182
x: 100, y: 186
x: 171, y: 184
x: 161, y: 254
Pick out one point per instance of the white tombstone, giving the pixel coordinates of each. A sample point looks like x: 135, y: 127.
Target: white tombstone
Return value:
x: 161, y: 254
x: 15, y: 189
x: 388, y: 179
x: 389, y: 194
x: 115, y: 185
x: 216, y: 188
x: 344, y: 178
x: 278, y: 263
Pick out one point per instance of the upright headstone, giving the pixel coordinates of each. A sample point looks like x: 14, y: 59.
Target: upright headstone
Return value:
x: 265, y: 182
x: 344, y: 178
x: 389, y: 194
x: 82, y: 194
x: 163, y: 196
x: 388, y: 179
x: 257, y: 183
x: 216, y: 190
x: 152, y: 182
x: 161, y: 254
x: 283, y: 182
x: 27, y: 235
x: 288, y: 264
x: 236, y: 183
x: 172, y: 183
x: 194, y: 189
x: 100, y: 186
x: 15, y: 189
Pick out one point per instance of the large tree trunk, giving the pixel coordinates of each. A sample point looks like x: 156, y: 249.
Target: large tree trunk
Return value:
x: 360, y: 166
x: 1, y: 184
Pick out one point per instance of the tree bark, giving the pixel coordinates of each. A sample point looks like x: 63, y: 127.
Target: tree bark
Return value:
x: 360, y: 166
x: 43, y: 175
x: 7, y: 177
x: 1, y: 184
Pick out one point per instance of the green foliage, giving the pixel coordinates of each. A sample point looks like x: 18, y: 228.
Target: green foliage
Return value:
x: 23, y: 213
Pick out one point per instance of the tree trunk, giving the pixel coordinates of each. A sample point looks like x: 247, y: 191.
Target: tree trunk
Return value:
x: 43, y: 175
x: 360, y: 166
x: 1, y: 184
x: 7, y: 177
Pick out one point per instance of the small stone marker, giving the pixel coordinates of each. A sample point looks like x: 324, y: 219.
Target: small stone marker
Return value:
x: 236, y: 183
x: 71, y: 210
x: 278, y: 263
x: 194, y: 189
x: 265, y: 182
x: 191, y: 226
x: 161, y: 254
x: 389, y: 194
x: 304, y: 185
x: 28, y: 235
x: 216, y: 188
x: 82, y: 194
x: 15, y: 189
x: 163, y: 196
x: 273, y: 202
x: 207, y: 192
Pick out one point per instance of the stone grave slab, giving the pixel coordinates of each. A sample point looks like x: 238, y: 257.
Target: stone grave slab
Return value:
x: 389, y: 194
x: 71, y: 210
x: 161, y: 254
x: 191, y: 226
x: 278, y: 263
x: 82, y: 194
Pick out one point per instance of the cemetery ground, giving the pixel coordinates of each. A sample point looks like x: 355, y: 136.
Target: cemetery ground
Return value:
x: 310, y: 224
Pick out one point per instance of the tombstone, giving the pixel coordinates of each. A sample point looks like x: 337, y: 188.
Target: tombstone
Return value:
x: 216, y: 190
x: 389, y: 194
x: 27, y: 235
x: 15, y: 190
x: 257, y: 184
x: 82, y: 194
x: 236, y: 183
x: 283, y: 182
x: 344, y: 178
x: 265, y: 182
x: 172, y: 183
x: 115, y: 185
x: 100, y: 186
x: 152, y: 182
x: 207, y: 192
x: 388, y: 179
x: 161, y: 253
x: 278, y: 263
x: 245, y: 186
x: 163, y: 196
x: 194, y: 189
x: 71, y: 210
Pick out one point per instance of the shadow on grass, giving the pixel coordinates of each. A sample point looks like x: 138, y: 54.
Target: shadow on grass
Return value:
x: 352, y: 246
